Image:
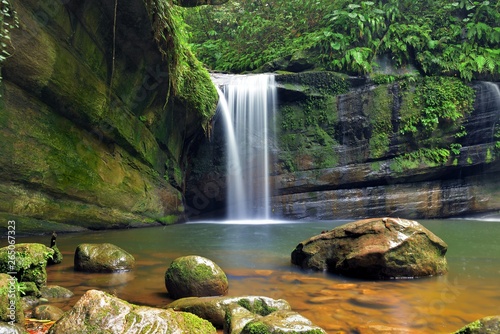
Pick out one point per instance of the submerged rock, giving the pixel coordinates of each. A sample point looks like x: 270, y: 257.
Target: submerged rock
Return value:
x: 27, y: 260
x: 378, y: 248
x: 485, y: 325
x: 195, y: 276
x: 47, y: 312
x: 55, y: 291
x: 102, y: 258
x: 214, y: 309
x: 108, y: 314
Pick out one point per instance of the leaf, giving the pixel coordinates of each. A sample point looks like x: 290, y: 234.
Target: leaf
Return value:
x: 480, y: 61
x: 352, y: 15
x: 353, y: 6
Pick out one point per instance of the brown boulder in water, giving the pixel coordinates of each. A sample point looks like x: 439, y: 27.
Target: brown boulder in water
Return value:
x: 376, y: 248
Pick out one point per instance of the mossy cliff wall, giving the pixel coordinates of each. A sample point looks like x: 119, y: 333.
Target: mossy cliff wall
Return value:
x: 91, y: 125
x: 391, y: 146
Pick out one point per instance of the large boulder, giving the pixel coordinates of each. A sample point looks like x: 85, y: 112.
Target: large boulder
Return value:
x: 377, y: 248
x: 215, y: 309
x: 11, y: 310
x: 27, y: 260
x: 485, y: 325
x: 102, y: 258
x: 99, y: 312
x: 195, y: 276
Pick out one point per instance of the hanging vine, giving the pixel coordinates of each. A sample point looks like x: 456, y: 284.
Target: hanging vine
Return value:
x: 188, y: 80
x: 8, y: 21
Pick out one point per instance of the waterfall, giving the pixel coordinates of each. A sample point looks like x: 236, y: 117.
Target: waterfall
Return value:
x: 248, y: 104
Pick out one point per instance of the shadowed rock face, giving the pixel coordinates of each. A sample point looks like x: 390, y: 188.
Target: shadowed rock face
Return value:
x: 86, y: 132
x: 379, y: 248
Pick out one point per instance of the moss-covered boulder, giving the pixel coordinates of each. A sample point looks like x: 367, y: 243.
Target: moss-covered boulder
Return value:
x: 10, y: 301
x: 486, y: 325
x: 27, y: 260
x: 104, y: 257
x: 195, y: 276
x: 215, y: 309
x: 100, y: 312
x: 275, y: 323
x: 377, y: 248
x: 55, y: 291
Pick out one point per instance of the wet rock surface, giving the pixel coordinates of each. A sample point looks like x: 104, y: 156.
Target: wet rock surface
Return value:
x: 195, y: 276
x: 378, y: 248
x: 214, y: 309
x: 102, y: 258
x: 281, y: 322
x: 101, y: 312
x: 47, y: 312
x: 487, y: 325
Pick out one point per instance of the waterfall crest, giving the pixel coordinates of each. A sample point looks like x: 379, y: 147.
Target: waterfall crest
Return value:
x: 248, y: 104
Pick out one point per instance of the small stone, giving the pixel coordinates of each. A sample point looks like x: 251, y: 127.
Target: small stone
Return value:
x: 47, y: 312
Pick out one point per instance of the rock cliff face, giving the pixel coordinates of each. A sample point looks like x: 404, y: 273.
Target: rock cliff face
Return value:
x: 90, y: 126
x: 350, y: 148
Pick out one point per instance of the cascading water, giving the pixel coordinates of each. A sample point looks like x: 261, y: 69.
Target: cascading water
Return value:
x: 248, y: 106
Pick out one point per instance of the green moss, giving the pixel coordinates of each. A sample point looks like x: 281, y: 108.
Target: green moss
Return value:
x: 380, y: 113
x: 195, y: 324
x: 189, y: 81
x: 170, y: 219
x: 256, y: 327
x: 257, y: 306
x: 470, y: 328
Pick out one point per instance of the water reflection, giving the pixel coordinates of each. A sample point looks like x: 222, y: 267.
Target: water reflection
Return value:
x: 256, y: 259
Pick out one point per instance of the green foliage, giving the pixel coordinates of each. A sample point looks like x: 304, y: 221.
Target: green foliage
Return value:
x: 431, y: 122
x: 189, y: 81
x: 447, y: 38
x: 440, y: 102
x: 430, y: 157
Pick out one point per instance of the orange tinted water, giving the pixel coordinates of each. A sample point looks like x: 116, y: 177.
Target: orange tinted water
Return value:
x: 256, y: 259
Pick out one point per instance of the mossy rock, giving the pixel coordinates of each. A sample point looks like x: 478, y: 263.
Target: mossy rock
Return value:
x: 30, y: 262
x: 215, y: 309
x: 195, y: 276
x: 10, y: 301
x: 55, y: 291
x: 376, y: 248
x: 47, y: 312
x: 281, y: 322
x: 104, y: 257
x: 99, y: 312
x: 487, y: 325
